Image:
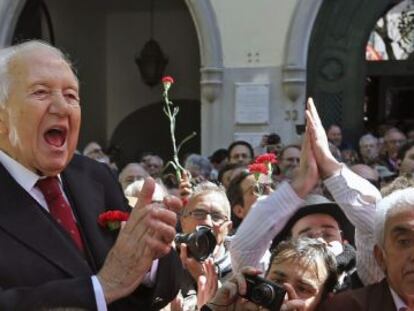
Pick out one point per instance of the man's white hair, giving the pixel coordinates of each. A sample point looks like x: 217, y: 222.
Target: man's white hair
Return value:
x: 396, y: 202
x: 8, y: 54
x: 367, y: 137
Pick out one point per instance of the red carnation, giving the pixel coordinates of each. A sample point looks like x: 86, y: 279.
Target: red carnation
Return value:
x: 266, y: 158
x: 112, y: 219
x: 167, y: 79
x: 258, y: 168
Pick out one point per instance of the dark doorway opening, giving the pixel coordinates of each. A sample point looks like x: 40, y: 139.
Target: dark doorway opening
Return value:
x: 389, y: 95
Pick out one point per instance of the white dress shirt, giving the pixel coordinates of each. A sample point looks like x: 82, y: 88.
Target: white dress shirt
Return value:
x: 399, y: 303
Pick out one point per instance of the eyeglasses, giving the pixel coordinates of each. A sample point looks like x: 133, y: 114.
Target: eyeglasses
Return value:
x: 201, y: 214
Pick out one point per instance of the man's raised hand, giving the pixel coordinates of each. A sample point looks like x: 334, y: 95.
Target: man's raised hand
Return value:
x: 327, y: 163
x: 307, y: 175
x: 146, y: 235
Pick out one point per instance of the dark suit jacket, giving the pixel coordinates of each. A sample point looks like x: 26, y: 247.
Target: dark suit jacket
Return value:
x: 371, y: 298
x: 40, y: 266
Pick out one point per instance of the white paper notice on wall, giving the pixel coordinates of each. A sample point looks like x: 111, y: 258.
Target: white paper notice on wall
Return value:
x: 252, y: 103
x: 253, y: 139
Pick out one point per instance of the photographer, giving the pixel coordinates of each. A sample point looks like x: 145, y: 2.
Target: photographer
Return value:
x: 209, y: 207
x: 305, y: 268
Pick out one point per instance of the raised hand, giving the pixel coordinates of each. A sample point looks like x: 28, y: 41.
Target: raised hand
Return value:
x: 307, y: 175
x: 146, y: 235
x: 185, y: 187
x: 327, y: 164
x: 292, y: 303
x: 207, y: 284
x: 228, y: 296
x: 194, y: 267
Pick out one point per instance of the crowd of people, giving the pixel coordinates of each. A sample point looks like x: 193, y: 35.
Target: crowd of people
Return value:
x: 328, y: 227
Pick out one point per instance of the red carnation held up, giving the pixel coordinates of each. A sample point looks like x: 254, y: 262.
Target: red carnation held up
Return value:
x: 167, y: 79
x: 258, y: 168
x: 266, y: 158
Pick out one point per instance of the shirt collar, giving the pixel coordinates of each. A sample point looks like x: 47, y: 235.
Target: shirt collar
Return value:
x: 23, y: 176
x: 399, y: 303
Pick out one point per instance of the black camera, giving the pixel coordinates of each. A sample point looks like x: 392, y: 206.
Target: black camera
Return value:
x: 200, y: 243
x: 264, y: 293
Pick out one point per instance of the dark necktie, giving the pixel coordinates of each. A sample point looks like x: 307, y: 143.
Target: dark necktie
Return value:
x: 59, y: 208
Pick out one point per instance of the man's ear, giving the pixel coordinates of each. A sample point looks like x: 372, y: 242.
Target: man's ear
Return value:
x: 238, y: 211
x: 380, y: 255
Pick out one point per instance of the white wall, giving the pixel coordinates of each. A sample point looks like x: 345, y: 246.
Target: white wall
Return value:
x: 258, y: 26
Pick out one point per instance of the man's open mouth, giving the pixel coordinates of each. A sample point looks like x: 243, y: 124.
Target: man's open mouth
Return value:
x: 56, y: 136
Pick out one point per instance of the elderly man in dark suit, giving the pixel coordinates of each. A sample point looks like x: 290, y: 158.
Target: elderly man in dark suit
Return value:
x: 394, y: 252
x: 53, y: 252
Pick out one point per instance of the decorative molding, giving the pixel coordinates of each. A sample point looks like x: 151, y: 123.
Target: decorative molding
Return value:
x: 9, y: 14
x: 209, y: 38
x: 211, y: 83
x: 294, y: 82
x: 211, y: 52
x: 296, y: 52
x: 332, y: 69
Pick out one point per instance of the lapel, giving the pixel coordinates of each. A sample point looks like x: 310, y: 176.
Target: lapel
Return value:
x: 381, y: 298
x: 87, y: 199
x: 25, y: 220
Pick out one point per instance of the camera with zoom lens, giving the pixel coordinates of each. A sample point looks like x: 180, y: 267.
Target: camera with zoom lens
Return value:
x: 264, y: 293
x: 200, y: 243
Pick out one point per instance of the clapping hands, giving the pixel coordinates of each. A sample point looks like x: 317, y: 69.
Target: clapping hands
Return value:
x: 148, y: 234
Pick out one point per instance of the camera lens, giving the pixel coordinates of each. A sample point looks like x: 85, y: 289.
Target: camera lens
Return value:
x: 200, y: 243
x: 203, y: 244
x: 262, y: 294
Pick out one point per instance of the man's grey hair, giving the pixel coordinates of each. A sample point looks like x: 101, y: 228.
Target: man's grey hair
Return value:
x: 7, y: 55
x: 367, y: 137
x: 199, y: 162
x: 207, y: 187
x: 396, y: 202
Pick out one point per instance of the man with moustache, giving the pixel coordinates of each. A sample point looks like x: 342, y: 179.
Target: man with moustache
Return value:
x: 54, y: 253
x: 394, y: 252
